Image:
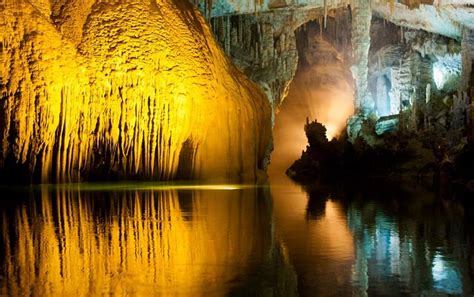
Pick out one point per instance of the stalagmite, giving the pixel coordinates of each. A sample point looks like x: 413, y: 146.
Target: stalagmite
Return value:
x: 127, y: 89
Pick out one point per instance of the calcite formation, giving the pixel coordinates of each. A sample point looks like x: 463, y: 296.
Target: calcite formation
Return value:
x: 125, y: 89
x: 445, y: 17
x: 219, y: 8
x: 264, y: 45
x: 361, y: 20
x: 415, y: 76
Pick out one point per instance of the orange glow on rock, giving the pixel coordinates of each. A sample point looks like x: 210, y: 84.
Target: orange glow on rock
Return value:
x: 127, y: 89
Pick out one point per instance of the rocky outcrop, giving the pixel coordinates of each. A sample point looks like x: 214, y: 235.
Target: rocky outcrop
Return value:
x: 132, y: 89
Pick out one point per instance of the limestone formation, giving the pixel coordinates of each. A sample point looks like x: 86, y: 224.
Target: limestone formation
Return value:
x: 124, y: 89
x: 361, y: 21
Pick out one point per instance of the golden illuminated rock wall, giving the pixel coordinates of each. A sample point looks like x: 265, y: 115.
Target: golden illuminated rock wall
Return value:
x: 135, y: 89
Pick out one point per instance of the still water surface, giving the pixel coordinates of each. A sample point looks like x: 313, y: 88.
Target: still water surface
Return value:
x: 231, y: 240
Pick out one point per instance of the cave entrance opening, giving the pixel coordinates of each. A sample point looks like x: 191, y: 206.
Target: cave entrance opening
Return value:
x: 321, y: 89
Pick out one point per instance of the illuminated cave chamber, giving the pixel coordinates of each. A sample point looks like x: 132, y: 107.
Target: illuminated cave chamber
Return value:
x: 273, y: 49
x: 407, y: 75
x: 417, y: 71
x: 412, y: 67
x: 141, y: 89
x: 414, y: 78
x: 321, y: 89
x: 123, y: 89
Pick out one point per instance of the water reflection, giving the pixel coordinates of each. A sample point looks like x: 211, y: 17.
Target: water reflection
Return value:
x: 284, y: 240
x: 423, y: 251
x: 390, y: 242
x: 137, y: 242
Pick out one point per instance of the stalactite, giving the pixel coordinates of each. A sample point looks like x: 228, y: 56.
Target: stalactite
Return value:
x: 466, y: 86
x: 392, y: 6
x: 141, y: 82
x: 320, y: 28
x: 467, y: 54
x: 325, y: 13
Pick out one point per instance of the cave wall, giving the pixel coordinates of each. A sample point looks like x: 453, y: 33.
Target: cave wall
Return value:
x: 271, y: 62
x: 446, y: 17
x: 218, y: 8
x: 415, y: 77
x: 137, y: 89
x: 111, y: 89
x: 264, y: 47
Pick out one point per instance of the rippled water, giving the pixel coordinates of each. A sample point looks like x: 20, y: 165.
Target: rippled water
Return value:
x: 231, y: 240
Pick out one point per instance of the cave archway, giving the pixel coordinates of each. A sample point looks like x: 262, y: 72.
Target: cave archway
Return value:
x: 321, y: 89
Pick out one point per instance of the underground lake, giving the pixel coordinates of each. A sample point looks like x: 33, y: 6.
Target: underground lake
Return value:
x: 281, y: 239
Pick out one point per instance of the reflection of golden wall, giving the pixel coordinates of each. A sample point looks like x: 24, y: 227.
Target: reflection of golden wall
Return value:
x: 131, y: 88
x: 137, y: 243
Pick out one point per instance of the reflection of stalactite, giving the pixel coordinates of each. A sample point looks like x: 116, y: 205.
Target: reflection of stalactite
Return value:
x: 86, y: 243
x: 386, y: 247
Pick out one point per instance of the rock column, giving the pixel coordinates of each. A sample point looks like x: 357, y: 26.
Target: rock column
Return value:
x: 467, y: 75
x: 361, y: 19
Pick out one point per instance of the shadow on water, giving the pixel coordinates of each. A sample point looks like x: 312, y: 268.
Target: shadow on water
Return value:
x: 233, y: 240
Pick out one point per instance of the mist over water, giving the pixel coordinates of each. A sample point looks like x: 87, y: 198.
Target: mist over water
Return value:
x: 322, y: 89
